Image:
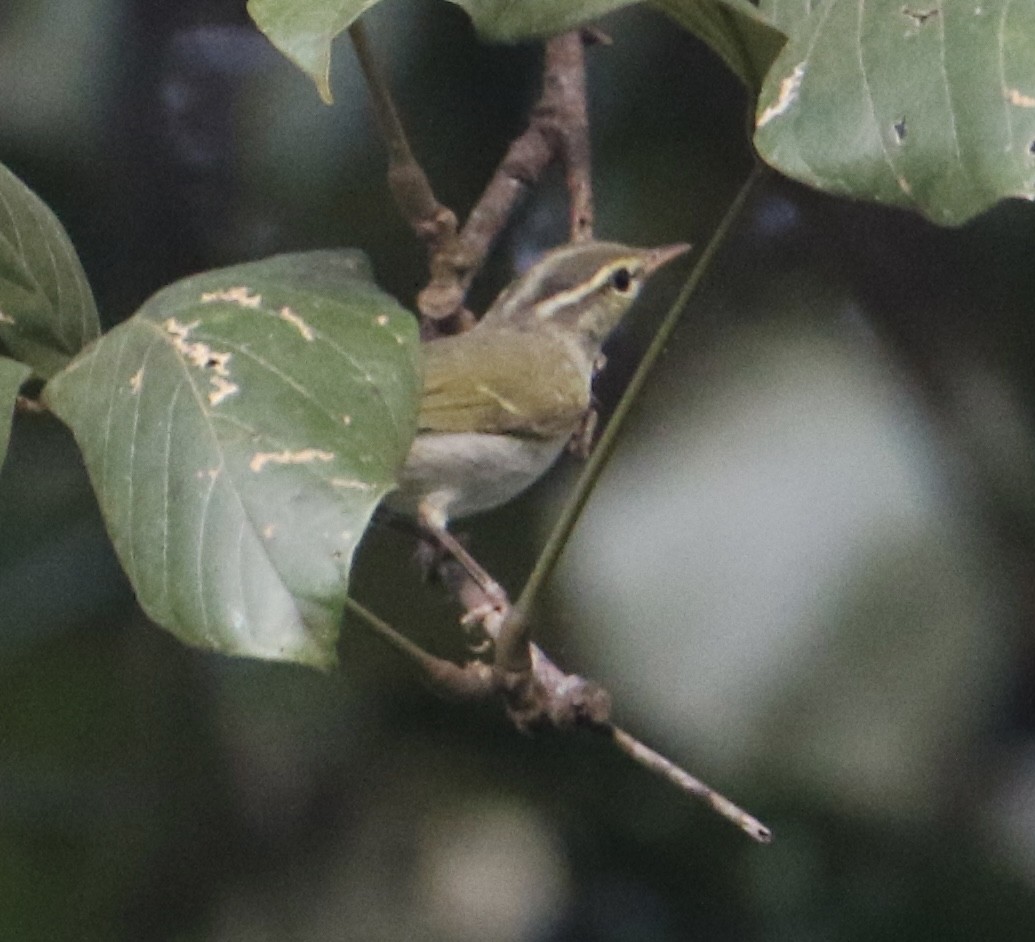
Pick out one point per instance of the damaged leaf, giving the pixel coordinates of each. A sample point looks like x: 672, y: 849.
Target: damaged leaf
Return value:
x: 927, y: 106
x: 239, y: 431
x: 47, y: 312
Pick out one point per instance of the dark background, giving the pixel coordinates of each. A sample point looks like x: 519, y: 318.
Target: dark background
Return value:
x: 807, y: 576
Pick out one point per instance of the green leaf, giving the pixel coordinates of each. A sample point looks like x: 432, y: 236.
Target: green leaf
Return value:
x: 735, y: 29
x: 787, y: 15
x: 739, y: 33
x: 304, y: 29
x: 47, y: 313
x: 928, y: 106
x: 12, y: 375
x: 239, y: 431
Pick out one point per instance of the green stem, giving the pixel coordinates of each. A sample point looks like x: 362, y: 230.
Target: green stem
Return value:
x: 385, y: 631
x: 561, y: 533
x: 471, y: 681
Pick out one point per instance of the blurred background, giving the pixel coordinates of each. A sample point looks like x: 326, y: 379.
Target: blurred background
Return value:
x: 807, y: 575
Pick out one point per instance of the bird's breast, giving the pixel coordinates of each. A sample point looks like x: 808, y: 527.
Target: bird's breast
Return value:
x: 463, y: 473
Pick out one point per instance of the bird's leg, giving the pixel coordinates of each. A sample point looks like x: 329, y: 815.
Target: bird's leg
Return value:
x: 496, y: 603
x: 494, y: 592
x: 430, y: 526
x: 581, y: 442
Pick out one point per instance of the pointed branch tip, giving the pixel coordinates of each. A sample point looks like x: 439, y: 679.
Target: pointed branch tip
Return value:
x: 684, y: 781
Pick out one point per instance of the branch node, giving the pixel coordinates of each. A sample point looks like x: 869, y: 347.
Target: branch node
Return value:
x: 29, y: 406
x: 595, y: 36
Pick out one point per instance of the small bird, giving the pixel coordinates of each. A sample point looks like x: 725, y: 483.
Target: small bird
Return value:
x: 501, y: 401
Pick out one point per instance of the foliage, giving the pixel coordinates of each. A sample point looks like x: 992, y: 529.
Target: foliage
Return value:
x: 47, y: 311
x: 927, y: 108
x: 931, y: 109
x: 240, y: 429
x: 805, y: 568
x: 12, y: 375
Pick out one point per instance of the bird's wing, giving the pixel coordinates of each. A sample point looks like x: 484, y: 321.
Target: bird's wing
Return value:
x: 501, y: 380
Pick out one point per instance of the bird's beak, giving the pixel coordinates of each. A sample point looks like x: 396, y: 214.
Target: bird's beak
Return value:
x: 655, y: 258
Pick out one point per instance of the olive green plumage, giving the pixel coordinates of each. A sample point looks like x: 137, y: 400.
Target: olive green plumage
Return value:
x: 468, y: 389
x: 501, y: 400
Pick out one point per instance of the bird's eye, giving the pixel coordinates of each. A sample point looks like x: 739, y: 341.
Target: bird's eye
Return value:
x: 621, y: 280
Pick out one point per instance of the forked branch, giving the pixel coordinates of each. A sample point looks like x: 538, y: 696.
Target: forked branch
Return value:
x: 558, y: 129
x: 547, y: 696
x: 535, y: 691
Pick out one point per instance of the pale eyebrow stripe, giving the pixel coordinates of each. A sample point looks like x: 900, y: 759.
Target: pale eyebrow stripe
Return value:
x: 550, y: 306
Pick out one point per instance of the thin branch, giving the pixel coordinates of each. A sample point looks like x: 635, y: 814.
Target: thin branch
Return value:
x: 29, y: 406
x: 471, y: 681
x: 683, y: 780
x: 433, y: 222
x: 547, y: 696
x: 558, y: 127
x: 564, y: 86
x: 514, y: 651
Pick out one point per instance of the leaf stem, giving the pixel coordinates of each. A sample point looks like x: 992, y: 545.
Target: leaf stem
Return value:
x: 558, y: 127
x: 569, y: 516
x: 433, y: 222
x: 471, y: 681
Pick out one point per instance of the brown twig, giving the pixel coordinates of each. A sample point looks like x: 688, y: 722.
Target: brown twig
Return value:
x: 564, y: 81
x: 682, y: 779
x: 536, y: 692
x: 544, y: 696
x: 29, y: 406
x: 558, y: 128
x: 434, y: 223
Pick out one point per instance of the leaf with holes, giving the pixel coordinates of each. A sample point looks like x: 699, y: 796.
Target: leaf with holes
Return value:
x: 239, y: 431
x: 47, y: 312
x: 928, y: 106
